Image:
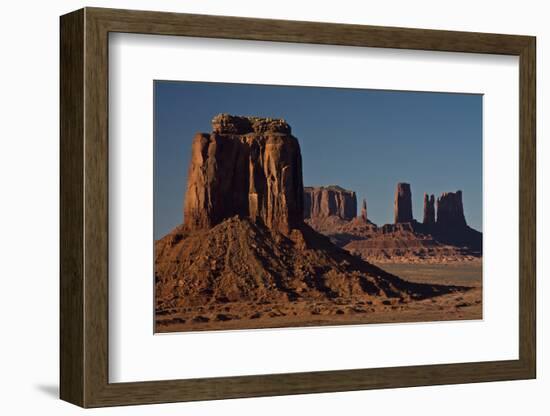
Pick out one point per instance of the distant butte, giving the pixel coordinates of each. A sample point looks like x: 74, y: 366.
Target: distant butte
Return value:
x: 429, y: 210
x: 403, y: 203
x: 450, y: 212
x: 323, y: 201
x: 442, y: 237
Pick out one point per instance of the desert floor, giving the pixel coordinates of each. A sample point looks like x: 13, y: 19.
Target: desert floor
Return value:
x: 247, y: 315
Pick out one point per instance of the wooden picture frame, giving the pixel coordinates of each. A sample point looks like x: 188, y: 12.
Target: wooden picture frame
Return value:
x: 84, y: 207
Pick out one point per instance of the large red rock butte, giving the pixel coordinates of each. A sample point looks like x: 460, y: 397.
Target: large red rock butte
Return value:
x: 403, y: 203
x: 247, y: 166
x: 324, y: 201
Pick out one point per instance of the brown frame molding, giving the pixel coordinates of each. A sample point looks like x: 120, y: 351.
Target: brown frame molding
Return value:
x: 84, y: 207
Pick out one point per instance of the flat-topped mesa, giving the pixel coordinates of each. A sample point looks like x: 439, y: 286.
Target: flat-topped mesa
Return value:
x: 429, y: 210
x: 403, y: 203
x: 450, y: 211
x: 325, y: 201
x: 248, y: 166
x: 228, y: 124
x: 364, y: 210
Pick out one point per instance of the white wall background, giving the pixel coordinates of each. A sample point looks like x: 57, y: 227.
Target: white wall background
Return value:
x: 29, y: 205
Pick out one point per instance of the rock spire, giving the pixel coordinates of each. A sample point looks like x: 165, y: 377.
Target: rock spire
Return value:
x: 429, y: 209
x: 403, y: 203
x: 364, y: 210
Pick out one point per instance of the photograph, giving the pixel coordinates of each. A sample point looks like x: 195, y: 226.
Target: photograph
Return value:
x: 297, y: 206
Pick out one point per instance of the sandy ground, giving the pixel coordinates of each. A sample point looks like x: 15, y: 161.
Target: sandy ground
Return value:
x: 456, y: 306
x: 463, y: 274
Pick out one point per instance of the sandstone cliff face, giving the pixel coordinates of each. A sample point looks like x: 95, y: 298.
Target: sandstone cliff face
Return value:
x: 450, y: 212
x: 429, y: 210
x: 403, y: 203
x: 328, y: 201
x: 247, y: 166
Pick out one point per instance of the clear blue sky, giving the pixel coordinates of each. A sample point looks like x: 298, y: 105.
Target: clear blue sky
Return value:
x: 363, y: 140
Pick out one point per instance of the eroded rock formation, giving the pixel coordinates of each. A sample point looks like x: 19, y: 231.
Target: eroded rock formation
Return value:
x: 448, y: 239
x: 403, y: 203
x: 328, y: 201
x: 450, y: 212
x: 247, y: 166
x: 364, y: 210
x: 429, y: 210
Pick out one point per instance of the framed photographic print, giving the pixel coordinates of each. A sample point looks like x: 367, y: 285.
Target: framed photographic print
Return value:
x: 256, y: 207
